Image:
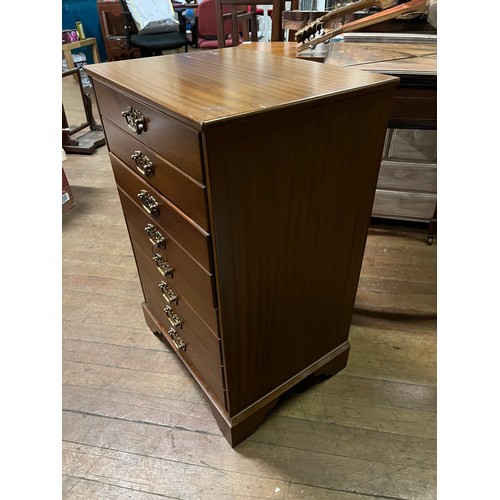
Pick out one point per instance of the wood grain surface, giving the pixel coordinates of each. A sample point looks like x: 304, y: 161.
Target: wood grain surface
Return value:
x: 217, y: 85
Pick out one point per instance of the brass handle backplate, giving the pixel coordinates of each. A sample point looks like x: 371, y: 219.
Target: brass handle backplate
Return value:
x: 149, y: 203
x: 173, y: 317
x: 143, y: 163
x: 177, y: 340
x: 135, y: 120
x: 163, y: 266
x: 155, y: 237
x: 168, y: 293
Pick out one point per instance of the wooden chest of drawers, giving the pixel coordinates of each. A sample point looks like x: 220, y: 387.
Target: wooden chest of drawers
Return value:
x: 247, y: 199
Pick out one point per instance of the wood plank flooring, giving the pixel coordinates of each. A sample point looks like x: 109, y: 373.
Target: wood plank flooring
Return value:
x: 136, y: 426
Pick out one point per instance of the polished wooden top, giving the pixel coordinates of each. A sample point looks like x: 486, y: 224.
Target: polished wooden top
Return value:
x: 287, y: 49
x: 202, y: 87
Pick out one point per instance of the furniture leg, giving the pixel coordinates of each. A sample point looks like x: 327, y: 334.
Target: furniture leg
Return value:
x: 431, y: 234
x: 95, y: 54
x: 235, y: 433
x: 334, y: 366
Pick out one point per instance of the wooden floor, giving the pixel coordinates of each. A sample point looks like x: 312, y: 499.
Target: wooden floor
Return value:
x: 136, y: 426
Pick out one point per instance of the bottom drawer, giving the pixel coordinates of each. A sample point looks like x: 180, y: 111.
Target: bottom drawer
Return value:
x: 406, y: 206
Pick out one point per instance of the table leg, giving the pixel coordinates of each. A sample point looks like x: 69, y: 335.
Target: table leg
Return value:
x: 431, y: 233
x: 69, y: 59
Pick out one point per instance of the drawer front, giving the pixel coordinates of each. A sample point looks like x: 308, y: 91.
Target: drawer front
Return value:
x: 152, y: 279
x: 171, y: 139
x: 410, y: 206
x: 193, y: 340
x: 408, y: 176
x: 187, y: 276
x: 417, y: 106
x: 411, y: 145
x: 180, y: 189
x: 190, y: 237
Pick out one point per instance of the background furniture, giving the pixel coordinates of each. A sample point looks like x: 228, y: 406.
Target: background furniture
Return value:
x: 68, y: 200
x: 153, y: 44
x: 87, y: 42
x: 248, y: 230
x: 113, y: 31
x: 85, y: 11
x: 243, y: 18
x: 72, y: 140
x: 206, y: 26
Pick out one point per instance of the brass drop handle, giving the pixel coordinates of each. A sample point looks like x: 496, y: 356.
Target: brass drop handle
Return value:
x: 177, y: 340
x: 168, y: 293
x: 149, y: 203
x: 163, y: 266
x: 173, y: 317
x: 135, y: 120
x: 143, y: 163
x: 155, y: 237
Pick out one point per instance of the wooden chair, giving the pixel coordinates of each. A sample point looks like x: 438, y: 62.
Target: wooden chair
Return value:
x: 206, y: 26
x: 243, y: 16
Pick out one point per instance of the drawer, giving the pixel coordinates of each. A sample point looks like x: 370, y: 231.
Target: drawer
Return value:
x: 411, y: 144
x: 403, y: 176
x: 193, y: 239
x: 180, y: 189
x: 171, y: 139
x: 201, y: 347
x: 417, y: 106
x: 188, y: 277
x: 406, y: 206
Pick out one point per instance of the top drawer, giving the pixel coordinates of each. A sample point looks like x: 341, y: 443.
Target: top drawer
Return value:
x: 176, y: 142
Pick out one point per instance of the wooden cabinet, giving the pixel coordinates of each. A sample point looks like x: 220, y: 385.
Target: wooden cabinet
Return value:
x: 113, y: 31
x: 247, y: 199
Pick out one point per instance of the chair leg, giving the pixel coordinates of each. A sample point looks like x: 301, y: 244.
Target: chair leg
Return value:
x: 146, y: 52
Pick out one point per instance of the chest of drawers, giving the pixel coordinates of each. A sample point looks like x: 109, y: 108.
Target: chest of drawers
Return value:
x: 247, y: 183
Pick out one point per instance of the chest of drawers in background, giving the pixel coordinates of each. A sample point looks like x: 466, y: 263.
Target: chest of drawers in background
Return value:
x: 247, y: 201
x: 407, y: 184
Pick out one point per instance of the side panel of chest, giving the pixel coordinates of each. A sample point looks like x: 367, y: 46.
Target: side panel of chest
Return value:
x: 291, y: 208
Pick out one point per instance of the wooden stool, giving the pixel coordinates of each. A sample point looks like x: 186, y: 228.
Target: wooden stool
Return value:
x: 67, y: 47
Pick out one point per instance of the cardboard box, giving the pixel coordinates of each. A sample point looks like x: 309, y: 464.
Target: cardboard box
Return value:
x: 68, y: 200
